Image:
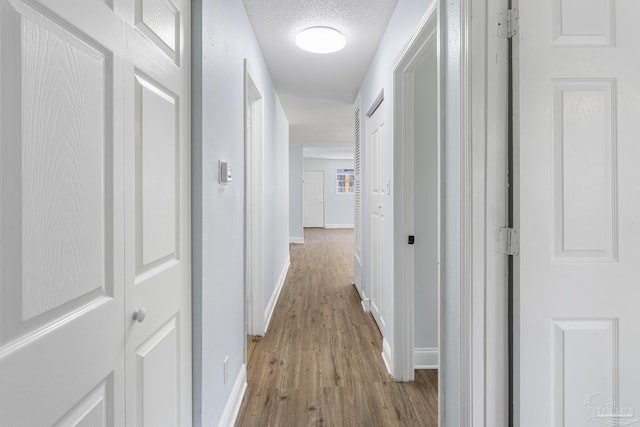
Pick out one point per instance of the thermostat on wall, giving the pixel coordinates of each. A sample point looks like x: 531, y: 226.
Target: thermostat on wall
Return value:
x: 225, y: 172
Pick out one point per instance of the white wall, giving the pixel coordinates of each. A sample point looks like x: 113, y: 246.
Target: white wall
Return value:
x: 426, y: 203
x: 296, y: 176
x: 403, y: 23
x: 276, y: 202
x: 222, y: 38
x: 338, y: 208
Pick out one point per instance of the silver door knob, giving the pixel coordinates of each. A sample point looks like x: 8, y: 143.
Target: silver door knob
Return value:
x: 139, y: 315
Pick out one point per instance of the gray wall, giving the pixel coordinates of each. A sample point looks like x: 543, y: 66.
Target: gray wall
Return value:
x: 221, y: 39
x: 426, y: 204
x: 296, y: 176
x: 338, y: 208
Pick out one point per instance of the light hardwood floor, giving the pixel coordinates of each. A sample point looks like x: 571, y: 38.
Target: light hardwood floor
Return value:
x: 320, y: 364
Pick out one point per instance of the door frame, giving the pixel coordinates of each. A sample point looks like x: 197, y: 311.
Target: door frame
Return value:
x: 468, y: 61
x: 253, y: 205
x: 304, y: 192
x: 420, y: 45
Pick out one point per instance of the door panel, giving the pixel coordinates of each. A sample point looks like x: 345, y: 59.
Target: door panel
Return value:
x: 578, y: 204
x: 375, y: 131
x: 95, y: 410
x: 158, y: 377
x: 160, y: 21
x: 62, y: 300
x: 158, y: 357
x: 157, y: 172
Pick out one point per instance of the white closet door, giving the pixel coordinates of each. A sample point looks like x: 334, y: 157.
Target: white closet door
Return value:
x: 94, y: 190
x: 578, y: 273
x: 375, y: 132
x: 61, y: 217
x: 157, y: 173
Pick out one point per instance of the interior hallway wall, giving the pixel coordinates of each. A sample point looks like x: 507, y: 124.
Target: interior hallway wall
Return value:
x: 222, y: 38
x: 402, y: 25
x: 338, y: 208
x: 296, y: 177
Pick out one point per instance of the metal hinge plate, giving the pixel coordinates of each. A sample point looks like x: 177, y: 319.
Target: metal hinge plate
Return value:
x: 508, y: 23
x: 507, y: 241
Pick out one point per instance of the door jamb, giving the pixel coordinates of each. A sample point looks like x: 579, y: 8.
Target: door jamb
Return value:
x: 419, y: 45
x: 465, y: 395
x: 253, y: 205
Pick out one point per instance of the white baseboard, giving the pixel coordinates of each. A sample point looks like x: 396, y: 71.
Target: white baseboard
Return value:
x: 296, y: 239
x: 268, y: 312
x: 387, y: 355
x: 426, y: 358
x: 338, y: 226
x: 366, y: 303
x: 232, y: 407
x: 357, y: 272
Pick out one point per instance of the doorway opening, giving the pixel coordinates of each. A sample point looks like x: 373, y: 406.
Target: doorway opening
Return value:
x: 313, y: 199
x: 417, y: 204
x: 253, y: 207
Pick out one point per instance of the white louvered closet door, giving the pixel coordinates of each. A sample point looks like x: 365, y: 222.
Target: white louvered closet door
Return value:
x: 357, y: 207
x: 357, y: 215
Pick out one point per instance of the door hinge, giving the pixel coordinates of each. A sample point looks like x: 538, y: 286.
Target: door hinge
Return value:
x: 507, y: 241
x: 508, y: 23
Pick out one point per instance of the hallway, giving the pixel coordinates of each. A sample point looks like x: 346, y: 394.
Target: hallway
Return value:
x: 319, y: 363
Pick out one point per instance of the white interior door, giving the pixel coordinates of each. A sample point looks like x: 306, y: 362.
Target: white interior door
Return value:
x: 62, y: 229
x: 94, y: 190
x: 313, y: 198
x: 578, y: 273
x: 375, y: 133
x: 158, y: 269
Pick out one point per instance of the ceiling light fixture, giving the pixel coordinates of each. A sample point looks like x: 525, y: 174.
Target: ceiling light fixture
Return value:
x: 320, y: 40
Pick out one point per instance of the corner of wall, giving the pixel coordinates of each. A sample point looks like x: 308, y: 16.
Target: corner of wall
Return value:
x: 232, y: 408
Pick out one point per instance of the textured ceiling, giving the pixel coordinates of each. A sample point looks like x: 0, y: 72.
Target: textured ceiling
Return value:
x: 317, y: 91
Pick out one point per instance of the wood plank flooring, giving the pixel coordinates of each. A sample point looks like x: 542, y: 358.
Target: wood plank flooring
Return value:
x: 320, y: 364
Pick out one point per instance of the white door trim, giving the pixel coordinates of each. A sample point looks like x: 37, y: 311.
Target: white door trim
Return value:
x: 403, y: 112
x: 468, y: 396
x: 465, y: 230
x: 254, y: 205
x: 489, y: 280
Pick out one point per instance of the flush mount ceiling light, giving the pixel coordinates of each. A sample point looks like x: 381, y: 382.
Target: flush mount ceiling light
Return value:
x: 320, y: 40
